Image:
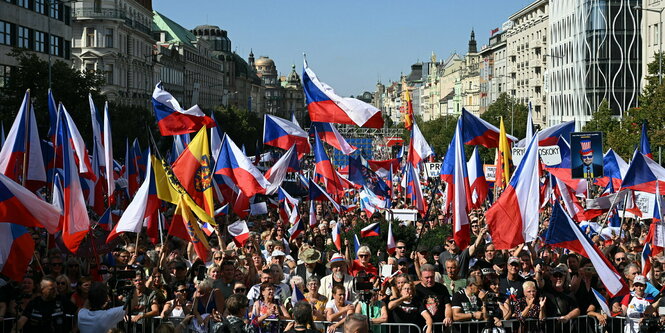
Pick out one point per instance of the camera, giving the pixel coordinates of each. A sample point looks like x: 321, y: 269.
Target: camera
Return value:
x: 651, y: 324
x: 492, y: 305
x: 363, y: 286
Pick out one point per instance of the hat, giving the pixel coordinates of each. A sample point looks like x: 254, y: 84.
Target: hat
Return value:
x: 403, y: 261
x: 513, y: 260
x: 560, y: 268
x: 336, y: 258
x: 488, y: 271
x: 277, y: 253
x: 585, y: 146
x: 437, y: 249
x: 640, y: 279
x: 309, y: 256
x: 422, y: 248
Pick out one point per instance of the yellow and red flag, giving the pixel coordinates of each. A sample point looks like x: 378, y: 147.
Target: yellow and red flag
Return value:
x: 408, y: 115
x: 503, y: 165
x: 185, y: 226
x: 193, y: 168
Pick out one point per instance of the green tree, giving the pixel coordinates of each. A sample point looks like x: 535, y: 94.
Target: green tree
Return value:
x: 243, y: 127
x: 70, y: 86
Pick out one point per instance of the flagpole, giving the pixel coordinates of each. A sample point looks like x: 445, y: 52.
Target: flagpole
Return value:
x: 607, y: 217
x: 161, y: 228
x: 26, y: 140
x: 426, y: 217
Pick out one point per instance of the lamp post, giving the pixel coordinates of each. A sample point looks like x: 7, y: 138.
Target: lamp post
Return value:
x: 660, y: 38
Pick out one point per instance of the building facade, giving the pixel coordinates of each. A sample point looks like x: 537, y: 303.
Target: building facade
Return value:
x: 202, y: 74
x: 652, y: 34
x: 114, y: 38
x: 470, y: 78
x: 493, y: 76
x: 596, y: 52
x: 526, y: 44
x: 39, y: 26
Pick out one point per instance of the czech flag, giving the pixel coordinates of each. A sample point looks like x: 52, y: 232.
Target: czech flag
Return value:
x: 322, y: 163
x: 643, y: 174
x: 297, y: 296
x: 281, y: 133
x: 233, y: 164
x: 144, y: 206
x: 550, y: 136
x: 477, y: 183
x: 20, y: 206
x: 459, y: 192
x: 563, y: 232
x: 52, y: 115
x: 513, y: 218
x: 371, y: 230
x: 106, y: 221
x: 414, y: 191
x: 419, y: 149
x: 326, y: 106
x: 652, y: 245
x: 75, y: 220
x: 562, y: 170
x: 329, y: 134
x: 193, y: 168
x: 645, y: 146
x: 390, y: 244
x: 239, y: 231
x: 614, y: 168
x: 172, y: 119
x: 477, y: 131
x: 23, y: 142
x: 295, y: 230
x: 80, y: 150
x: 221, y: 211
x: 383, y: 167
x: 108, y: 156
x: 316, y: 193
x: 16, y: 250
x: 277, y: 173
x: 337, y: 236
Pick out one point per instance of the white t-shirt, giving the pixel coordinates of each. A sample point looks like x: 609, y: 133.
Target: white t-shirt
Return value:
x: 331, y: 305
x: 100, y: 320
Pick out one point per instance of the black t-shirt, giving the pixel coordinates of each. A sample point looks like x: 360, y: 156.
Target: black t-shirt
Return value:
x: 49, y: 316
x: 434, y: 300
x: 511, y: 287
x: 468, y: 305
x: 409, y: 312
x: 558, y: 303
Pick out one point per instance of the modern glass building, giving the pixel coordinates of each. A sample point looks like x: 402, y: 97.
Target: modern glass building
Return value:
x: 595, y: 55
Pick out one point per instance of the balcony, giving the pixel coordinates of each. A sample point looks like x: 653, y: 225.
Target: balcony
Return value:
x: 535, y: 63
x: 138, y: 26
x: 85, y: 13
x: 536, y: 44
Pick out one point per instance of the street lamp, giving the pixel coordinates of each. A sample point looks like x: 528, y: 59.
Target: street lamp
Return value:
x: 660, y: 38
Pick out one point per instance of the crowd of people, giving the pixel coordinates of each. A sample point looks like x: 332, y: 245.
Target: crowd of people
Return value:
x: 145, y: 287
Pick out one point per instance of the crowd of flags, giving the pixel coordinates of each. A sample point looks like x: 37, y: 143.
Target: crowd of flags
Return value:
x: 206, y: 175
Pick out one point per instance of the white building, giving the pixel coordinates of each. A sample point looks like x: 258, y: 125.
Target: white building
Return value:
x: 114, y: 38
x: 651, y: 33
x: 595, y: 50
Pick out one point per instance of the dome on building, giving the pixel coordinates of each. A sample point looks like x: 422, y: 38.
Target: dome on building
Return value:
x: 293, y: 77
x: 265, y: 61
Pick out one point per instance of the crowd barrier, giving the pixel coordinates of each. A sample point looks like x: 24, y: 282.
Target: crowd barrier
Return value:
x: 578, y: 325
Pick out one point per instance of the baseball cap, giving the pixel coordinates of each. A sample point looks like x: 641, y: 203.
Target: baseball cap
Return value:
x: 512, y: 260
x: 403, y: 261
x: 277, y: 253
x: 641, y: 279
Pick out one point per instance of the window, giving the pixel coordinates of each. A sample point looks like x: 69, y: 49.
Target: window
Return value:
x: 56, y: 45
x: 90, y: 37
x: 4, y: 75
x: 98, y: 6
x: 108, y: 73
x: 109, y: 37
x: 54, y: 10
x: 40, y: 41
x: 656, y: 34
x: 23, y: 3
x: 23, y: 37
x: 40, y: 7
x: 5, y: 33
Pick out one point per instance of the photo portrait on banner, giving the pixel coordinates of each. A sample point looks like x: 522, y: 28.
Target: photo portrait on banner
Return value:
x: 586, y: 155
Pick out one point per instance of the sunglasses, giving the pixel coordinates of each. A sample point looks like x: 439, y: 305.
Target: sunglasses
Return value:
x: 181, y: 290
x: 138, y: 280
x: 218, y: 258
x: 557, y: 275
x: 401, y: 247
x: 363, y: 255
x: 619, y: 259
x: 239, y: 290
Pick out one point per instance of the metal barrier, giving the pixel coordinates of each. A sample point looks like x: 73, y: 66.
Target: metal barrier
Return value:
x: 7, y: 324
x: 385, y: 328
x: 577, y: 325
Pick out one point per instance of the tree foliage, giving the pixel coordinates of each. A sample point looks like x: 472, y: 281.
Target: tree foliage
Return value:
x: 242, y: 126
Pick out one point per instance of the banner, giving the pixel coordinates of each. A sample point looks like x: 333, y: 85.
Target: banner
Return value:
x: 586, y: 155
x: 433, y: 169
x: 551, y: 155
x: 490, y: 172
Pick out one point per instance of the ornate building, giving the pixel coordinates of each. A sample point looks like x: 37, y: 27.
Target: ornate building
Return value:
x: 294, y: 97
x: 113, y: 37
x: 470, y: 78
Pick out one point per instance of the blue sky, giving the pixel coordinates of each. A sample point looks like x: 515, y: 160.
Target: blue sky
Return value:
x: 349, y: 44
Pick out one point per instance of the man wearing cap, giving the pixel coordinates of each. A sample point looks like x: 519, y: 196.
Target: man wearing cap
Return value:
x: 588, y: 169
x: 311, y: 265
x: 339, y: 276
x: 511, y: 284
x: 558, y: 303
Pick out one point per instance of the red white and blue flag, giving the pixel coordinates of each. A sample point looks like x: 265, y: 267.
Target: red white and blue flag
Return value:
x: 614, y: 168
x: 326, y: 106
x: 414, y: 191
x: 337, y: 236
x: 23, y: 142
x: 144, y: 206
x: 278, y: 171
x: 329, y: 134
x: 108, y: 156
x: 563, y: 232
x: 513, y: 218
x: 316, y: 193
x: 281, y: 133
x: 654, y: 242
x: 235, y: 165
x: 419, y: 149
x: 323, y: 165
x: 373, y: 229
x: 239, y: 231
x: 458, y: 190
x: 550, y: 136
x: 645, y: 146
x: 562, y: 170
x: 477, y: 131
x: 390, y: 243
x: 76, y: 140
x: 75, y: 220
x: 477, y: 183
x: 172, y: 119
x: 643, y: 174
x: 16, y: 250
x: 20, y: 206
